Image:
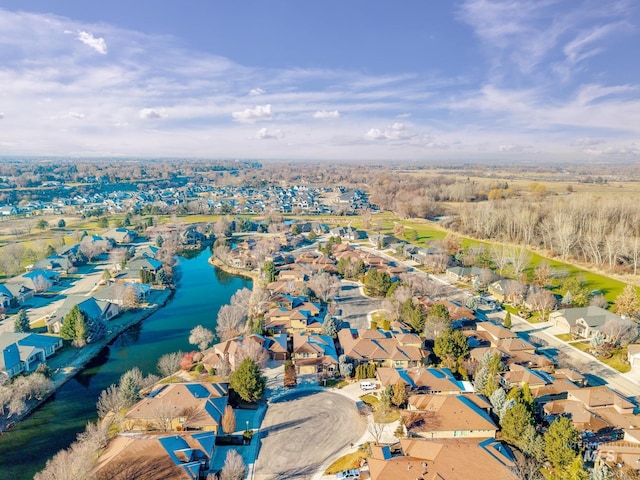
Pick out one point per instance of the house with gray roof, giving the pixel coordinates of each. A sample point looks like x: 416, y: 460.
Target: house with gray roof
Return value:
x: 92, y: 308
x: 583, y: 321
x: 23, y: 352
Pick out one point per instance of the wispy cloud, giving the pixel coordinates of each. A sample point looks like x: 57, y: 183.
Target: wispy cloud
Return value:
x: 150, y: 96
x: 98, y: 44
x: 326, y: 114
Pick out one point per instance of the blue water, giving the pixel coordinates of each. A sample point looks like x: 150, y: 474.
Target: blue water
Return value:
x: 202, y: 290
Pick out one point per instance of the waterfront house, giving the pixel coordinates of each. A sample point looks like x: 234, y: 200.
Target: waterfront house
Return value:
x: 23, y: 352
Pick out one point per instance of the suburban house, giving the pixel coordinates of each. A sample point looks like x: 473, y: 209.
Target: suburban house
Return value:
x: 385, y: 349
x: 56, y: 263
x: 92, y: 308
x: 465, y: 274
x: 182, y: 456
x: 117, y: 293
x: 121, y: 235
x: 424, y: 380
x: 595, y: 409
x: 620, y: 455
x: 185, y: 406
x: 37, y: 280
x: 302, y: 318
x: 23, y: 352
x: 507, y: 290
x: 443, y: 459
x: 518, y: 376
x: 19, y: 291
x: 235, y: 349
x: 314, y: 354
x: 449, y: 416
x: 583, y: 321
x: 633, y: 354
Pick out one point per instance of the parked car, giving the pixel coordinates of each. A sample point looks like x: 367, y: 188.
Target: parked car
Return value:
x: 367, y: 386
x: 348, y: 474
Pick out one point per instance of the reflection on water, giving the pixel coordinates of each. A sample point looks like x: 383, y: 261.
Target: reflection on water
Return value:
x: 53, y: 426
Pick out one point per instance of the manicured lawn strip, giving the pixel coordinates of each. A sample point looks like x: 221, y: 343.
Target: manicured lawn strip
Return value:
x: 616, y: 360
x: 347, y: 462
x: 565, y: 337
x: 379, y: 316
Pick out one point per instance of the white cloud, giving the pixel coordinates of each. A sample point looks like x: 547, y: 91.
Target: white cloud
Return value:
x: 326, y: 114
x: 397, y: 131
x: 76, y: 115
x: 152, y: 114
x: 1, y: 115
x: 404, y: 115
x: 437, y: 145
x: 515, y: 148
x: 98, y: 44
x: 251, y: 115
x: 256, y: 91
x: 264, y: 134
x: 587, y: 142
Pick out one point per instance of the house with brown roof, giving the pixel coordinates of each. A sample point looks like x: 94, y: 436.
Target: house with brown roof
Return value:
x: 424, y: 380
x: 179, y: 406
x: 443, y: 459
x: 181, y: 456
x: 595, y: 409
x: 314, y: 354
x: 303, y: 318
x: 385, y: 349
x: 449, y: 416
x: 518, y: 375
x: 235, y: 349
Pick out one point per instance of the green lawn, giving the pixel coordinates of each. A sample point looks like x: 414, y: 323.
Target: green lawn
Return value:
x: 391, y: 415
x: 565, y: 337
x: 346, y: 462
x: 616, y: 360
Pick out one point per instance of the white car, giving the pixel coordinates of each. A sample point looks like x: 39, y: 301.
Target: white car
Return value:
x: 367, y: 386
x: 348, y: 474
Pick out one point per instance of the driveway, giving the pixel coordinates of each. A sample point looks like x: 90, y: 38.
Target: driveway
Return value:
x: 354, y: 305
x: 302, y: 432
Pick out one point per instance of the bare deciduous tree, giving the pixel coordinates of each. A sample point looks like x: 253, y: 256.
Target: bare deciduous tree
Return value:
x: 540, y: 300
x: 200, y: 337
x: 110, y: 401
x: 253, y: 350
x: 169, y: 363
x: 325, y: 286
x: 231, y: 322
x: 234, y: 467
x: 620, y: 331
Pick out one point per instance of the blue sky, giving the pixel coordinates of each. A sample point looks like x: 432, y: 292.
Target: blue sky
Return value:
x: 426, y: 80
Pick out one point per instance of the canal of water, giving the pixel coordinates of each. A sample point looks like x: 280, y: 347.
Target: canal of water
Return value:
x: 202, y: 290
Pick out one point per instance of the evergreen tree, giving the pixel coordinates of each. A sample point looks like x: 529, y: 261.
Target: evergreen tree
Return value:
x: 507, y: 320
x: 515, y: 422
x: 269, y: 270
x: 74, y: 327
x: 451, y: 347
x: 560, y: 443
x: 438, y: 312
x: 129, y: 388
x: 21, y: 323
x: 247, y: 381
x: 329, y: 326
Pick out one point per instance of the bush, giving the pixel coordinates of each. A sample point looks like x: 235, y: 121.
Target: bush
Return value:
x: 199, y: 368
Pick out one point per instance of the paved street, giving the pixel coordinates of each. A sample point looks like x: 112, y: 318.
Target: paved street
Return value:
x: 355, y: 305
x: 302, y: 431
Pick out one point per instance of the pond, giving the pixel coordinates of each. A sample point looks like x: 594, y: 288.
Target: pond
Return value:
x: 202, y: 290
